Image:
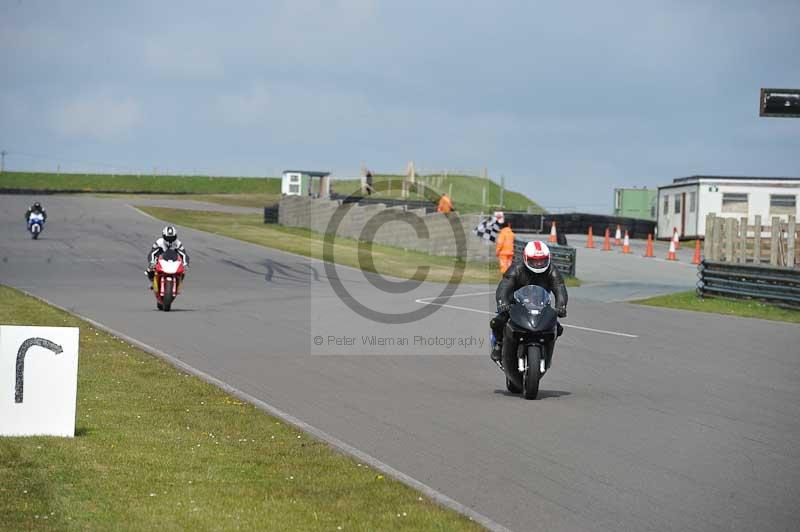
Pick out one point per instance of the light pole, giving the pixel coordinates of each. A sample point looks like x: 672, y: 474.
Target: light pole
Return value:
x: 2, y: 161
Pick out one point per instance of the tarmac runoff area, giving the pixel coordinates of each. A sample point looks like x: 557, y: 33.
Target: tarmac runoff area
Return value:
x: 650, y: 419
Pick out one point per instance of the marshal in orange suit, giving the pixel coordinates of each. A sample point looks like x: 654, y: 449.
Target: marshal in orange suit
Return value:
x: 505, y: 245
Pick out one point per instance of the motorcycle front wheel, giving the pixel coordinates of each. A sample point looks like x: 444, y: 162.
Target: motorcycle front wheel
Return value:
x: 166, y: 301
x: 531, y: 375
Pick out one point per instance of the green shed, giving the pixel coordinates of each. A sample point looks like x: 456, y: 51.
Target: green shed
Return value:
x: 635, y: 203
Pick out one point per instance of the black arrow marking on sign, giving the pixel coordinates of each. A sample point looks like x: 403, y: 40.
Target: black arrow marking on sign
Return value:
x: 23, y: 350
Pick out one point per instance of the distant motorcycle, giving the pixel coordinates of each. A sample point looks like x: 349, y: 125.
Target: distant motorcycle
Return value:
x: 168, y: 279
x: 35, y: 224
x: 528, y: 340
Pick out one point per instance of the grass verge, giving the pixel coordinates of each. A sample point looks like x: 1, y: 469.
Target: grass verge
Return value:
x: 160, y: 450
x: 746, y: 309
x: 167, y: 184
x: 387, y: 260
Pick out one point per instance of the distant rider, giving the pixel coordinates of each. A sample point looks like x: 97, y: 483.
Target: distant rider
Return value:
x: 36, y: 208
x: 534, y: 268
x: 168, y: 240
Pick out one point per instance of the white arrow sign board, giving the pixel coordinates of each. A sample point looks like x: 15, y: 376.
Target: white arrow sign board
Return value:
x: 38, y: 380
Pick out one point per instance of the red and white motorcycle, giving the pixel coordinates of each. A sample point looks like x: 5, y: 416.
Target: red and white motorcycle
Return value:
x: 168, y: 279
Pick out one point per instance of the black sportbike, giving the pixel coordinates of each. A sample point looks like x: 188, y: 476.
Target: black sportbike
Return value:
x: 528, y: 340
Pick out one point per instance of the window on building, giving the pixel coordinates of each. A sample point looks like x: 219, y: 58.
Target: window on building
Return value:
x: 692, y: 201
x: 734, y: 202
x: 782, y: 204
x: 677, y: 203
x: 666, y: 205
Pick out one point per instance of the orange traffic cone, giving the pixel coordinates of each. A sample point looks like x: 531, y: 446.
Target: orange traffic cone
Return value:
x: 648, y: 252
x: 676, y: 237
x: 553, y: 238
x: 617, y: 236
x: 607, y: 241
x: 671, y: 254
x: 696, y: 258
x: 626, y: 244
x: 589, y: 239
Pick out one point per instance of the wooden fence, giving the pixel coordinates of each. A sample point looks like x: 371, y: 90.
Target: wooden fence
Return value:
x: 735, y: 241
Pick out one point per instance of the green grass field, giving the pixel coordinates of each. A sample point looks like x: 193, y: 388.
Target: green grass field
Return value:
x: 388, y: 260
x: 160, y: 450
x: 745, y: 309
x: 467, y: 191
x: 134, y: 183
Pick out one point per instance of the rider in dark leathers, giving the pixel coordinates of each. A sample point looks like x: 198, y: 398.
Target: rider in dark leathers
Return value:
x: 37, y: 208
x: 520, y: 274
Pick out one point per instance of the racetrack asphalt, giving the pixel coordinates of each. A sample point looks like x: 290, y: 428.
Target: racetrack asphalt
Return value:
x: 655, y: 419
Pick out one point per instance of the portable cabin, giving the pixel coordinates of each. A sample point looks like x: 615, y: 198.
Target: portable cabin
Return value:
x: 686, y: 202
x: 301, y: 183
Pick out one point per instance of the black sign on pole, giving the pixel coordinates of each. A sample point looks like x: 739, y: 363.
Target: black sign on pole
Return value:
x: 783, y: 103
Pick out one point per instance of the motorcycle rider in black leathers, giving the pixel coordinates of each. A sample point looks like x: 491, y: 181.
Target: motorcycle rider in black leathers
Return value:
x: 534, y: 268
x: 35, y: 208
x: 168, y: 240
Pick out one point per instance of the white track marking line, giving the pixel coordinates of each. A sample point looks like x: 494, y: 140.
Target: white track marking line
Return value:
x: 429, y: 299
x: 143, y: 213
x: 601, y: 331
x: 426, y: 490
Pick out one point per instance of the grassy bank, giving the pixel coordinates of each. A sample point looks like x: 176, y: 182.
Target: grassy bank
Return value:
x: 160, y: 450
x: 466, y: 192
x: 745, y: 309
x: 388, y: 260
x: 167, y: 184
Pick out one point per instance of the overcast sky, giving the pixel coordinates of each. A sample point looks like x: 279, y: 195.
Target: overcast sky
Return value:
x: 567, y: 100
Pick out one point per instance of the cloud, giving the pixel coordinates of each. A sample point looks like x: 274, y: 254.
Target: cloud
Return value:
x: 101, y: 117
x: 177, y: 59
x: 245, y: 108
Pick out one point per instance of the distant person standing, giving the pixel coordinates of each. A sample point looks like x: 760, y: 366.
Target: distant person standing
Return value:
x: 445, y: 204
x: 368, y: 180
x: 505, y: 243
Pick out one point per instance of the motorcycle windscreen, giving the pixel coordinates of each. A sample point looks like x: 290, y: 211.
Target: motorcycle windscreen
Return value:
x: 532, y: 296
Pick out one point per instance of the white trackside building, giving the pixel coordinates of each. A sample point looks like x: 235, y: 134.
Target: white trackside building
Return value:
x: 686, y: 202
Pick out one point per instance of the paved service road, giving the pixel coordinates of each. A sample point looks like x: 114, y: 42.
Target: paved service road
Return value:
x: 684, y: 422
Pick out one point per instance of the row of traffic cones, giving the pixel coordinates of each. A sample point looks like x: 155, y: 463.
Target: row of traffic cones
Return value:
x: 674, y: 244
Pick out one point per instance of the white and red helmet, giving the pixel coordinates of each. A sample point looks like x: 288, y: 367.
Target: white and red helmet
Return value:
x: 536, y: 256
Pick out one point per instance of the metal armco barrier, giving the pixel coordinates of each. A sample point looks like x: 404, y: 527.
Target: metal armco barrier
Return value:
x: 780, y: 286
x: 562, y: 257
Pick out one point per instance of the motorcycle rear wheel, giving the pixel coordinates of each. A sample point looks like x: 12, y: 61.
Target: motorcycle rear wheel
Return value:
x: 511, y: 387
